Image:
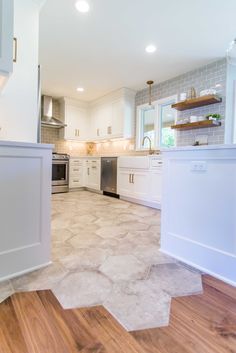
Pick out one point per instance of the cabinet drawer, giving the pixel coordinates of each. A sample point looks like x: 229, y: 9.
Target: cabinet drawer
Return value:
x: 76, y: 182
x: 76, y: 162
x: 155, y: 163
x: 76, y: 170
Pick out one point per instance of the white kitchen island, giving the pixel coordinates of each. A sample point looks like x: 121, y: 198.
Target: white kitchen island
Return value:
x: 25, y: 195
x: 199, y: 208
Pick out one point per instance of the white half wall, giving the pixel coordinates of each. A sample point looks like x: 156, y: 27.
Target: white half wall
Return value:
x: 25, y: 204
x: 199, y: 208
x: 18, y: 100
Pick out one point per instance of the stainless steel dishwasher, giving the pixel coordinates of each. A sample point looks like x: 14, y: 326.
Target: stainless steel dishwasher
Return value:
x: 109, y: 175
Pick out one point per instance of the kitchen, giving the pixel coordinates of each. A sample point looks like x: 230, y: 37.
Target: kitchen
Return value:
x: 139, y: 174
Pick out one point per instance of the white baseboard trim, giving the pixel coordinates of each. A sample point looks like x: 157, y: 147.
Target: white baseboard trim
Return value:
x: 141, y: 202
x: 21, y: 273
x: 212, y: 261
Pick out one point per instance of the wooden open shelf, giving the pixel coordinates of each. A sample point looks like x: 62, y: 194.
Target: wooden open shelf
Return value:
x: 197, y: 102
x: 197, y: 125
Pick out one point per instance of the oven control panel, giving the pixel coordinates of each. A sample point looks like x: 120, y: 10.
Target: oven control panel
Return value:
x: 58, y: 156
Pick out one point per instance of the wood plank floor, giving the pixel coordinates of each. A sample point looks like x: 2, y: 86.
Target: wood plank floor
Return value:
x: 35, y: 322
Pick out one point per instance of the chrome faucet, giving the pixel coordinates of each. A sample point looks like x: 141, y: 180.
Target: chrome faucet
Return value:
x: 150, y: 144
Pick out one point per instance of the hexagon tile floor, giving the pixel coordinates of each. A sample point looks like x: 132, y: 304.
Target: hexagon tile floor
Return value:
x: 106, y: 251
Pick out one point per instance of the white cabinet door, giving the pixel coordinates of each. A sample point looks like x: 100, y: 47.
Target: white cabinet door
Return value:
x: 101, y: 121
x: 93, y: 174
x: 155, y: 186
x: 117, y: 124
x: 96, y: 124
x: 76, y: 120
x: 125, y: 187
x: 106, y: 119
x: 6, y: 36
x: 140, y: 181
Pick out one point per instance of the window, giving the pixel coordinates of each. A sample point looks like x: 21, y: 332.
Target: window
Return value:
x: 147, y: 126
x: 167, y: 117
x: 155, y: 122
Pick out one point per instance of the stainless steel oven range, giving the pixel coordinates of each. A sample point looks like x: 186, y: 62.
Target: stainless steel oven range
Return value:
x: 60, y: 173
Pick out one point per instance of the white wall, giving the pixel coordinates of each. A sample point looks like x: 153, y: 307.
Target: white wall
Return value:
x: 230, y: 120
x: 18, y: 101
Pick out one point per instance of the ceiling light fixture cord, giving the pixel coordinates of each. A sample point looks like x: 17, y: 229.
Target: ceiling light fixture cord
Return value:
x: 150, y: 83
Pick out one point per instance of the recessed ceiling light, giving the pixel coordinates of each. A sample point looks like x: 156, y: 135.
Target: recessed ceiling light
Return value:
x: 151, y: 49
x: 80, y: 89
x: 82, y: 6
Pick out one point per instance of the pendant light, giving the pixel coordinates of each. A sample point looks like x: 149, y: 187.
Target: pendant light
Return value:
x: 231, y: 53
x: 150, y: 83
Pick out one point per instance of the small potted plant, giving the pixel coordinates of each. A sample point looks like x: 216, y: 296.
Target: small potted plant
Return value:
x: 216, y: 117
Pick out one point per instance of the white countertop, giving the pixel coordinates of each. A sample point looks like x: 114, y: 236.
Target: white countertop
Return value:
x: 26, y: 145
x: 197, y: 148
x: 118, y: 156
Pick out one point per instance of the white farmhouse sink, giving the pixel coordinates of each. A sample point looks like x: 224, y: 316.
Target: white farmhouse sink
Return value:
x: 134, y: 162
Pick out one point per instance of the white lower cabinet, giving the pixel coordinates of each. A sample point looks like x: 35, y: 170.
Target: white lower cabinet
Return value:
x: 133, y: 183
x: 141, y: 182
x: 93, y: 173
x: 155, y: 186
x: 141, y: 185
x: 85, y: 172
x: 76, y: 174
x: 125, y: 187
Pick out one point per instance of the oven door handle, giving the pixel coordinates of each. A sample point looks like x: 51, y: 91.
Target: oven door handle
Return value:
x: 60, y: 162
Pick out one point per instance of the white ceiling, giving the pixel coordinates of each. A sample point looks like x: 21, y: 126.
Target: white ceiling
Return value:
x: 104, y: 49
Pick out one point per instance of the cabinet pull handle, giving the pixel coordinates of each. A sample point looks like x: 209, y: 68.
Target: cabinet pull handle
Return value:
x: 75, y: 132
x: 109, y: 130
x: 78, y: 133
x: 88, y: 171
x: 132, y: 178
x: 15, y: 48
x: 98, y: 132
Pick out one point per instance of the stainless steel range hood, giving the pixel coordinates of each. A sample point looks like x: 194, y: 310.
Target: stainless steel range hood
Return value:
x: 47, y: 120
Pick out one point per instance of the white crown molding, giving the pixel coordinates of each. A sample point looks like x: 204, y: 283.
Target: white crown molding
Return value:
x: 120, y: 93
x: 75, y: 102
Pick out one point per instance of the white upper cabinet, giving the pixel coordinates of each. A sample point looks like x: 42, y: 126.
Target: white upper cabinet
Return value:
x: 110, y: 117
x: 6, y: 39
x: 113, y: 116
x: 100, y: 119
x: 75, y: 116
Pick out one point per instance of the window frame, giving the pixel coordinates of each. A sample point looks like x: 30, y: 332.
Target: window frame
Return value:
x: 157, y: 123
